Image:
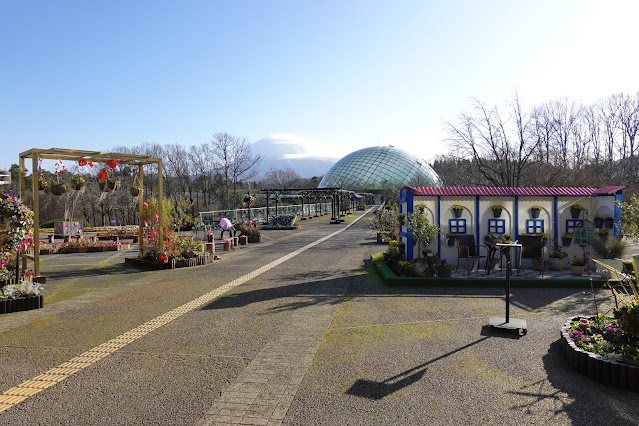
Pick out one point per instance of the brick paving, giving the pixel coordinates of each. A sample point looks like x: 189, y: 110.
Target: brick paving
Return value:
x: 264, y: 391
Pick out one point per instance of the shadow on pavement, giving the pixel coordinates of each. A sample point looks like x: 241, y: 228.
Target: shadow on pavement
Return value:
x: 306, y: 290
x: 378, y: 390
x: 583, y: 400
x: 119, y: 269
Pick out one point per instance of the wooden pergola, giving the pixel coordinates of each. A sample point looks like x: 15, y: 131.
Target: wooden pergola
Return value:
x: 96, y: 157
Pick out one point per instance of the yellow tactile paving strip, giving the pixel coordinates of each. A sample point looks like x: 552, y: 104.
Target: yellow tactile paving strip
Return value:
x: 19, y: 393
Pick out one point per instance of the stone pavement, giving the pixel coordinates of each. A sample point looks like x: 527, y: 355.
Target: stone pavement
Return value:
x: 264, y: 391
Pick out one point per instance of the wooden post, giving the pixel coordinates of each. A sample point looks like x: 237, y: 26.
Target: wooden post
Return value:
x: 141, y: 212
x: 160, y: 208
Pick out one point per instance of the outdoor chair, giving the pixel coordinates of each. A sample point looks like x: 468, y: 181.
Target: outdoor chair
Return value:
x: 532, y: 247
x: 467, y: 249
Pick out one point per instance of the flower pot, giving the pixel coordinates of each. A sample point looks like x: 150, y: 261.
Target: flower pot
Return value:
x: 135, y: 192
x: 444, y: 272
x: 209, y: 238
x: 556, y: 264
x: 603, y: 237
x: 497, y: 212
x: 534, y: 213
x: 577, y: 270
x: 457, y: 213
x: 113, y: 184
x: 598, y: 221
x: 451, y: 242
x: 104, y: 187
x: 575, y: 213
x: 58, y: 189
x: 608, y: 223
x: 78, y: 185
x: 42, y: 185
x: 566, y: 241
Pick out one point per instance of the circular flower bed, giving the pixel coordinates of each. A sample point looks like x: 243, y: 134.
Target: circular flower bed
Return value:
x: 20, y: 228
x: 601, y: 349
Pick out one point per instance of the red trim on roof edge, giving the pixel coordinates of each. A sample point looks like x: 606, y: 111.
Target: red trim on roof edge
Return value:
x: 512, y: 192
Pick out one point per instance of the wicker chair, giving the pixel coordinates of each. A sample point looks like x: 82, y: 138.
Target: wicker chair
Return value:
x: 467, y: 249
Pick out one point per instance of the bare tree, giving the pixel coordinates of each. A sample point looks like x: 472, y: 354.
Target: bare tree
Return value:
x: 498, y: 145
x: 281, y: 178
x: 234, y: 161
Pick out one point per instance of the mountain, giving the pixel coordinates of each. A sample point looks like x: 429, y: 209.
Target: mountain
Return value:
x: 282, y: 151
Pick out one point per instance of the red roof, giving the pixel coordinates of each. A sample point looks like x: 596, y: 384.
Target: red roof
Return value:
x: 512, y: 192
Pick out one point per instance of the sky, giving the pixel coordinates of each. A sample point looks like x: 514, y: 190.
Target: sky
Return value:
x: 340, y: 75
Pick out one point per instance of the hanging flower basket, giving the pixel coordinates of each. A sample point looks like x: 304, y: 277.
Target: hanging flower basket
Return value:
x: 104, y: 187
x: 457, y: 210
x: 135, y: 191
x: 535, y: 211
x: 608, y: 222
x: 42, y: 184
x: 575, y: 211
x: 497, y: 210
x: 78, y: 183
x: 58, y: 189
x: 113, y: 184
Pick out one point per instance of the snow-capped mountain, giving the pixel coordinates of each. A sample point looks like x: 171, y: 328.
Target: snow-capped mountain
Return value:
x: 282, y: 151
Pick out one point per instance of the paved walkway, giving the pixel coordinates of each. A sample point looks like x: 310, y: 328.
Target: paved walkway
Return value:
x: 264, y: 391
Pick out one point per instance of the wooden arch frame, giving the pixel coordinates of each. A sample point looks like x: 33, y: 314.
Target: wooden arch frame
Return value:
x: 97, y: 157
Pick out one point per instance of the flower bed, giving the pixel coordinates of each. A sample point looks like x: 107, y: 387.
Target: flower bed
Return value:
x: 171, y: 263
x: 602, y: 351
x: 84, y: 247
x: 23, y: 296
x: 281, y: 222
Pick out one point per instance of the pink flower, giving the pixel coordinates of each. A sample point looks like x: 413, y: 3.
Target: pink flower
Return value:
x: 146, y: 204
x: 149, y: 239
x: 154, y: 234
x: 156, y: 217
x: 79, y: 231
x: 146, y: 224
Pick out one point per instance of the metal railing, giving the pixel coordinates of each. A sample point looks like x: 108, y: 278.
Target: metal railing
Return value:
x: 259, y: 214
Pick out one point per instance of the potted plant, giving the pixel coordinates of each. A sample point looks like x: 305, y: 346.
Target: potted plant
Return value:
x: 104, y: 186
x: 450, y: 238
x: 457, y: 210
x: 538, y: 264
x: 534, y: 211
x: 497, y: 209
x: 400, y: 218
x: 575, y: 210
x: 566, y: 239
x: 557, y: 259
x: 603, y: 234
x: 78, y: 182
x: 42, y: 184
x: 444, y: 270
x: 113, y: 184
x: 135, y: 190
x: 58, y: 188
x: 577, y: 266
x: 611, y: 251
x: 607, y: 221
x: 598, y: 220
x: 506, y: 239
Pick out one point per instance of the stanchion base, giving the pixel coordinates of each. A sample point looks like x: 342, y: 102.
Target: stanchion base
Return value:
x: 515, y: 324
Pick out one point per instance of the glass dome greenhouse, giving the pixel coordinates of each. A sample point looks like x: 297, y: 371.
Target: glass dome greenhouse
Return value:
x: 379, y: 167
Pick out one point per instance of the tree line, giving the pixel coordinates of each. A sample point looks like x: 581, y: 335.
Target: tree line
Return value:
x: 215, y: 175
x: 557, y: 143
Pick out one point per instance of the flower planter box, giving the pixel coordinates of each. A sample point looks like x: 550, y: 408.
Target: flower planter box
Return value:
x: 444, y: 272
x: 243, y: 240
x: 18, y: 304
x: 255, y: 238
x: 556, y: 264
x: 171, y: 264
x: 603, y: 370
x: 577, y: 270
